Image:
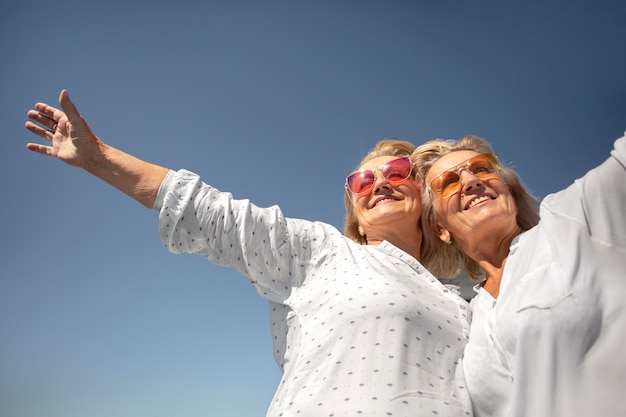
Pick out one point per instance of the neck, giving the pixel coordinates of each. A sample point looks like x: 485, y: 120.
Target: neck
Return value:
x: 411, y: 243
x: 491, y: 255
x: 494, y: 277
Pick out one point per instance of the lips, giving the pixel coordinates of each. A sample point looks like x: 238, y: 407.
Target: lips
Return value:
x: 383, y: 199
x: 477, y: 200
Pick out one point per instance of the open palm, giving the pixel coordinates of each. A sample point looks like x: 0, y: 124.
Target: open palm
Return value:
x: 66, y: 130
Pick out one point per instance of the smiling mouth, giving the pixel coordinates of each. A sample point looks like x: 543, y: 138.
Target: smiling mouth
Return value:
x: 477, y: 201
x: 383, y: 201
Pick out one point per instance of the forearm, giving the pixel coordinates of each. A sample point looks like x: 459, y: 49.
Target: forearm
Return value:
x: 132, y: 176
x: 597, y: 199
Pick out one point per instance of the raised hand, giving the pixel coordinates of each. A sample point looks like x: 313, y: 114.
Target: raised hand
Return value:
x: 71, y: 139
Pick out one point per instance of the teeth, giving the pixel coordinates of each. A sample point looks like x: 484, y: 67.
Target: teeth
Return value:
x: 380, y: 201
x: 477, y: 200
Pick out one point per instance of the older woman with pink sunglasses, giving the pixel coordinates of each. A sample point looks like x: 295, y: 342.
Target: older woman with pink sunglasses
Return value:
x: 549, y: 316
x: 359, y: 326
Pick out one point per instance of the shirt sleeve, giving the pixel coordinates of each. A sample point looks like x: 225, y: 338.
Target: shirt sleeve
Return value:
x: 601, y: 194
x: 158, y: 202
x: 273, y: 252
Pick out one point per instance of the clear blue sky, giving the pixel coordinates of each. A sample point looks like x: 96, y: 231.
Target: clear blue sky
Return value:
x: 275, y: 101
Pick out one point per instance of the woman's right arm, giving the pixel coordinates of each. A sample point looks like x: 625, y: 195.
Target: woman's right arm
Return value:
x: 597, y: 200
x: 604, y: 197
x: 73, y: 142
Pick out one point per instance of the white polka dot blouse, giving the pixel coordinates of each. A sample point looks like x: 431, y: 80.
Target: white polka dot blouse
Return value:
x: 357, y: 330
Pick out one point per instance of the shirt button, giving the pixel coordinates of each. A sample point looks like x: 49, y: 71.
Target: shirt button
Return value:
x: 445, y: 290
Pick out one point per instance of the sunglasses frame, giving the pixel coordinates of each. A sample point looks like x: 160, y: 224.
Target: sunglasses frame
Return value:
x: 382, y: 170
x: 491, y: 159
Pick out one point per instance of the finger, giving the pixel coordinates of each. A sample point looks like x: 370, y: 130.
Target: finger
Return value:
x: 42, y: 149
x: 49, y: 111
x: 69, y: 108
x: 42, y: 119
x: 39, y: 131
x: 51, y: 117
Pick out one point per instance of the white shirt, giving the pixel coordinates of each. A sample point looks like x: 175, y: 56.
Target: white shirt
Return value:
x: 482, y: 369
x: 357, y: 330
x: 556, y: 336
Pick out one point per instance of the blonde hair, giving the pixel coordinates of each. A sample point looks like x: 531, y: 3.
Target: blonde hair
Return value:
x: 386, y: 147
x: 446, y: 260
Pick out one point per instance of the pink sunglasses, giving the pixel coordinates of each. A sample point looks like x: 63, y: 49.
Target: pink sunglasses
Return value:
x: 393, y: 171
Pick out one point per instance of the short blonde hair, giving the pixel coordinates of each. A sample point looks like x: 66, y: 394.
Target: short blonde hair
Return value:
x: 446, y: 260
x: 386, y: 147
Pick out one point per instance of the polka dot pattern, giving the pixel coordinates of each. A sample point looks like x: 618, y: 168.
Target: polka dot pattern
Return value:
x: 356, y: 330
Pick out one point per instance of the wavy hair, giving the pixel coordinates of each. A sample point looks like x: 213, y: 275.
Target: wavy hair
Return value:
x: 446, y: 260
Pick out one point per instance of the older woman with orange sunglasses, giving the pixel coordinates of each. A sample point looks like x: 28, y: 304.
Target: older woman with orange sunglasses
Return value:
x: 549, y: 316
x: 359, y: 326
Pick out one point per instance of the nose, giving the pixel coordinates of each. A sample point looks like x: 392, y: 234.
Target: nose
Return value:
x: 380, y: 180
x: 468, y: 180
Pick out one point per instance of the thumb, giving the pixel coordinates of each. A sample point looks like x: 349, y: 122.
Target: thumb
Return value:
x: 68, y: 107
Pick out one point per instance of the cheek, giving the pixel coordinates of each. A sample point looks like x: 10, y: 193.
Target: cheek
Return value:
x: 512, y: 204
x: 360, y: 202
x: 420, y: 188
x: 503, y: 190
x: 414, y: 190
x: 497, y: 184
x: 442, y: 209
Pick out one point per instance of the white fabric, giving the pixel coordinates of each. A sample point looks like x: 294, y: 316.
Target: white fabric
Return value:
x: 556, y: 335
x: 357, y: 330
x: 483, y: 369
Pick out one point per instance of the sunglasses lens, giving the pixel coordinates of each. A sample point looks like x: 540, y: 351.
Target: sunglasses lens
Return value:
x: 446, y: 184
x: 449, y: 182
x: 482, y: 165
x: 360, y: 182
x: 396, y: 170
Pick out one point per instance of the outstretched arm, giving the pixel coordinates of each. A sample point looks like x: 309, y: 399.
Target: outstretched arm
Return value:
x: 73, y: 142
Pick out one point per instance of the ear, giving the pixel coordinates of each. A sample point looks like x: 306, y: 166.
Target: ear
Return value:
x: 361, y: 231
x: 443, y: 234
